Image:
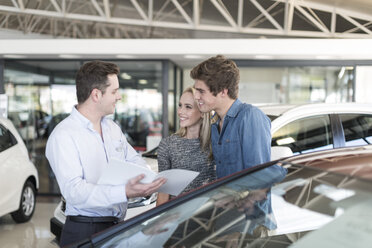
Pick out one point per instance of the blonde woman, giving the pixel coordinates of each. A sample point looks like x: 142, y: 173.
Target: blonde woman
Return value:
x: 189, y: 148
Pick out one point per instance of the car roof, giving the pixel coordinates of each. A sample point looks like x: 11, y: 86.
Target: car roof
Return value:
x: 281, y: 109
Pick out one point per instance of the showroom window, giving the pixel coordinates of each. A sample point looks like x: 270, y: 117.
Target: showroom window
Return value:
x: 305, y: 135
x: 357, y: 129
x: 41, y: 93
x: 7, y: 140
x: 296, y: 84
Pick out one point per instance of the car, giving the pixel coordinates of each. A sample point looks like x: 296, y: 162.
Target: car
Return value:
x: 313, y: 127
x: 276, y: 204
x: 19, y: 179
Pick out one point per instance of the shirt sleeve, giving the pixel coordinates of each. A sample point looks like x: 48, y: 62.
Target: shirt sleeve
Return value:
x: 255, y: 131
x: 64, y: 158
x: 164, y: 161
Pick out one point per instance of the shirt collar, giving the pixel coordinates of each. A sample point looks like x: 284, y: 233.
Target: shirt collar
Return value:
x: 83, y: 120
x: 234, y: 109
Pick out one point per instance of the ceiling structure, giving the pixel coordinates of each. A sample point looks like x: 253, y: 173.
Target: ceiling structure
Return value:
x: 189, y: 18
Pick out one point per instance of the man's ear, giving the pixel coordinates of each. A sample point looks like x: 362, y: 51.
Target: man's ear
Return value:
x: 96, y: 95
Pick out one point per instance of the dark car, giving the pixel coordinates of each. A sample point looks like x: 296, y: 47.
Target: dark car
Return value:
x: 277, y: 204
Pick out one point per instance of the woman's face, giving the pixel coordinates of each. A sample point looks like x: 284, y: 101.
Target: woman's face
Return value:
x: 188, y: 111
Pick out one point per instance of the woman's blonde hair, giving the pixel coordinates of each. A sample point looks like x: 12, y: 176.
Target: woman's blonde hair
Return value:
x: 205, y: 128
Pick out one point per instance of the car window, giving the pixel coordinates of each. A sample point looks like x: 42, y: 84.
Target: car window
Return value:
x: 305, y: 135
x: 7, y: 139
x: 357, y: 129
x: 272, y: 117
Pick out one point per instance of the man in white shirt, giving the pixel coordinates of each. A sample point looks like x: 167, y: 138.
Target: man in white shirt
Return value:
x: 79, y: 150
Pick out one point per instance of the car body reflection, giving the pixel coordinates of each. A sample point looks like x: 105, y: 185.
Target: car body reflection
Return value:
x: 270, y: 205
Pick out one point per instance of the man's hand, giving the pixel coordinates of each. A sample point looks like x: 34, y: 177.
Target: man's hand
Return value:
x: 135, y: 189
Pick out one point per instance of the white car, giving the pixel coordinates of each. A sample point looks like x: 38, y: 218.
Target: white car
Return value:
x: 313, y: 127
x: 19, y: 180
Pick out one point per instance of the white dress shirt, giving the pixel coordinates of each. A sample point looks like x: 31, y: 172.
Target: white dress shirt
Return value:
x: 78, y: 155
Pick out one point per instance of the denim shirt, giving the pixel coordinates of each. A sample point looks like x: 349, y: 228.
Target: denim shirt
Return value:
x: 244, y: 141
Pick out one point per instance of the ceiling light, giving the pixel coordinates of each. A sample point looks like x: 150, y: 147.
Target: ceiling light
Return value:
x: 14, y: 56
x: 263, y: 57
x: 125, y: 76
x: 125, y: 56
x: 192, y: 56
x: 324, y: 57
x: 142, y: 81
x: 69, y: 56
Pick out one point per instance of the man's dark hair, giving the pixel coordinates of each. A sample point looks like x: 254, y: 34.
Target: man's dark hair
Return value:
x: 218, y: 73
x: 93, y: 75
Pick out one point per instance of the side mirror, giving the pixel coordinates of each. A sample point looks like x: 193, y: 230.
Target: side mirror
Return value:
x: 278, y: 152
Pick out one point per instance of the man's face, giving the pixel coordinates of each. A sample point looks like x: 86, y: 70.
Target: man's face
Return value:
x: 206, y: 100
x: 111, y: 95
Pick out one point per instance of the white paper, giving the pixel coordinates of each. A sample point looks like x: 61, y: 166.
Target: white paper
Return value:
x: 119, y: 172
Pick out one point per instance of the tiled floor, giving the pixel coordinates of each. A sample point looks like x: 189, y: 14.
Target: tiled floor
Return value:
x: 34, y: 233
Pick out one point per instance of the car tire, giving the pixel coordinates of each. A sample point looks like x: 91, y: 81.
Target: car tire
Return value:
x: 27, y: 204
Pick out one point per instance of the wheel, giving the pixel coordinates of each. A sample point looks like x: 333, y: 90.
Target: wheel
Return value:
x: 27, y: 204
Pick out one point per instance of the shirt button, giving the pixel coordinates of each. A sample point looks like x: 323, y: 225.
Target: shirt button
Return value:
x: 219, y: 161
x: 219, y: 143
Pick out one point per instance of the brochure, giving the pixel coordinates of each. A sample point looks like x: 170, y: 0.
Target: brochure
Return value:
x: 119, y: 172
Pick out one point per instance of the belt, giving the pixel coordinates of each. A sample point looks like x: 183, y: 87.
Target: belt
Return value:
x: 89, y: 219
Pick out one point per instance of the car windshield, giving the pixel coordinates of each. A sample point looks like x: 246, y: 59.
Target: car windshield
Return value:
x: 275, y: 206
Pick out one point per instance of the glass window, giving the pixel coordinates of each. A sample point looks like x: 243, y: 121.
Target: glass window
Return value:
x: 357, y: 129
x: 305, y: 135
x: 300, y: 84
x: 7, y: 140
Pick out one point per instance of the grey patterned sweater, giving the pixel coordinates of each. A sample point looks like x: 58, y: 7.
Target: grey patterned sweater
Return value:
x: 175, y: 152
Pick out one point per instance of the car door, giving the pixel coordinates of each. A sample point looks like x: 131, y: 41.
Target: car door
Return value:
x: 8, y: 172
x: 305, y: 135
x: 357, y: 129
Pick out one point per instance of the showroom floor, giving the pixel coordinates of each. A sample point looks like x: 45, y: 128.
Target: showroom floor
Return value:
x: 34, y: 233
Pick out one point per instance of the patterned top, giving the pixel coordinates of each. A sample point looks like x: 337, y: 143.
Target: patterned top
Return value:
x: 175, y: 152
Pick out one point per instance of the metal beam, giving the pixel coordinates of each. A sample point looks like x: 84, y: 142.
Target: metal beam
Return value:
x: 196, y: 13
x: 267, y: 15
x: 151, y: 10
x: 63, y: 11
x: 106, y: 5
x: 312, y: 19
x: 290, y: 13
x: 182, y: 11
x: 224, y: 12
x: 98, y: 8
x: 351, y: 20
x: 15, y: 4
x: 56, y: 6
x: 139, y: 9
x: 240, y: 13
x: 21, y: 5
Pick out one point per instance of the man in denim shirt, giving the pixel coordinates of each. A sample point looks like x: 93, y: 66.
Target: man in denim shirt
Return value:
x: 241, y: 136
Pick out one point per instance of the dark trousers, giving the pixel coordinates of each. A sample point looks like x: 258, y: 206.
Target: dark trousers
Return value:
x: 77, y: 230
